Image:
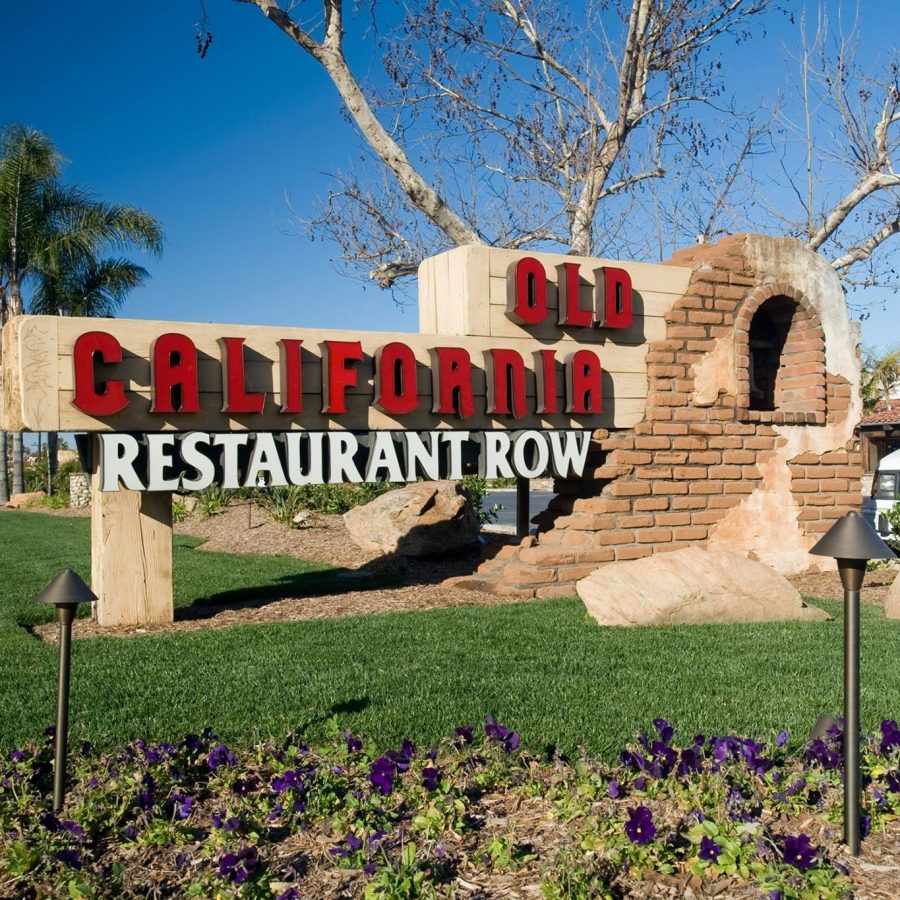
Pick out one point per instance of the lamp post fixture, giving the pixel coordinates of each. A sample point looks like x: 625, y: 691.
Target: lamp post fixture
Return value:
x: 852, y: 542
x: 65, y: 592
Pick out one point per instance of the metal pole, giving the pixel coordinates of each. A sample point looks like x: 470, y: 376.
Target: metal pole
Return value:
x: 523, y: 511
x: 64, y: 616
x: 851, y: 721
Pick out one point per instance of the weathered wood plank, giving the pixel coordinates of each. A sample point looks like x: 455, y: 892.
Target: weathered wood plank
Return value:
x: 131, y: 556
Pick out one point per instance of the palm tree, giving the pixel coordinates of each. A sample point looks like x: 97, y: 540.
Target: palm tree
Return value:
x: 53, y: 238
x: 880, y: 376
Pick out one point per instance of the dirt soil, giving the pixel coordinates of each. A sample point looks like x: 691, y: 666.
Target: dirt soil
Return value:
x: 360, y: 576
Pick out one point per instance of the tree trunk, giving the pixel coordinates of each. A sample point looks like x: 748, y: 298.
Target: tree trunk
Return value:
x: 52, y: 459
x: 18, y: 463
x: 4, y: 471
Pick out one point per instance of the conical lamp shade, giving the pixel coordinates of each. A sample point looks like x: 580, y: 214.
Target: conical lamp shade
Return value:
x: 67, y: 589
x: 852, y: 537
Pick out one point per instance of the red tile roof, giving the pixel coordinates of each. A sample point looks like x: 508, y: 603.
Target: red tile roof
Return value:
x: 887, y: 412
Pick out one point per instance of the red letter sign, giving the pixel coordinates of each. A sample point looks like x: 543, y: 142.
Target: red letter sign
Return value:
x: 90, y: 396
x: 612, y: 303
x: 545, y: 374
x: 291, y: 376
x: 570, y: 311
x: 234, y: 383
x: 506, y: 383
x: 526, y: 283
x: 584, y: 383
x: 173, y: 375
x: 337, y: 376
x: 451, y: 381
x: 395, y: 379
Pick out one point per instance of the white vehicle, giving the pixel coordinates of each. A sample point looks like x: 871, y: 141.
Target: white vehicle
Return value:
x: 886, y: 491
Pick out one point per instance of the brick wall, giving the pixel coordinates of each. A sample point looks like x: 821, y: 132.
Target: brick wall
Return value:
x: 707, y: 464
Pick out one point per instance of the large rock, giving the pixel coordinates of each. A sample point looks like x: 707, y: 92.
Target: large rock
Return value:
x: 892, y: 601
x: 20, y: 501
x: 691, y: 586
x: 428, y: 518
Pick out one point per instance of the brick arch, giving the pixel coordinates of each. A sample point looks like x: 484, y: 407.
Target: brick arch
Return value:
x: 799, y: 381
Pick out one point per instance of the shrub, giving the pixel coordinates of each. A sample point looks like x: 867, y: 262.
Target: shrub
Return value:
x: 477, y: 489
x: 283, y: 503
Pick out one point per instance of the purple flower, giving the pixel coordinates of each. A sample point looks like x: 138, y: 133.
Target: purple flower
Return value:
x: 664, y: 730
x: 244, y: 786
x: 614, y: 789
x: 73, y: 828
x: 369, y: 868
x: 640, y: 783
x: 782, y: 738
x: 238, y: 867
x: 219, y: 756
x: 890, y: 735
x: 799, y: 852
x: 464, y: 735
x: 893, y: 782
x: 287, y: 781
x: 382, y: 775
x: 289, y: 894
x: 183, y: 860
x: 230, y: 824
x: 71, y: 858
x: 354, y: 744
x: 183, y: 810
x: 353, y: 842
x: 709, y: 849
x: 49, y: 821
x: 493, y: 731
x: 431, y: 778
x: 17, y: 756
x: 639, y: 827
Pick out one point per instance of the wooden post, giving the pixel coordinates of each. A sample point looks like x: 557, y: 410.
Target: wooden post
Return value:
x: 131, y: 555
x: 523, y: 508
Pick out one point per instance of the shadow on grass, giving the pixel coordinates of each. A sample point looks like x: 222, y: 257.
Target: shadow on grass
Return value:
x: 261, y: 586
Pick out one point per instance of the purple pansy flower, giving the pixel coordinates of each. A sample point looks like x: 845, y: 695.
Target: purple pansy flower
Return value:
x: 354, y: 744
x: 382, y: 775
x: 639, y: 827
x: 219, y: 756
x: 238, y: 867
x: 71, y: 858
x: 799, y: 852
x: 73, y: 828
x: 431, y: 778
x: 614, y: 789
x: 709, y: 849
x: 782, y: 738
x: 464, y: 735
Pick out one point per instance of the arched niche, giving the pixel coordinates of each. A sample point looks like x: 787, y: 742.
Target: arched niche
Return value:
x: 780, y: 358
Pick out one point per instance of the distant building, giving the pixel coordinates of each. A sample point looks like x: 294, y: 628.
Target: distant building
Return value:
x: 879, y: 433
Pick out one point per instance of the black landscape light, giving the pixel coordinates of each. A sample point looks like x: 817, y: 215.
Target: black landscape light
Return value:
x: 852, y: 542
x: 65, y: 592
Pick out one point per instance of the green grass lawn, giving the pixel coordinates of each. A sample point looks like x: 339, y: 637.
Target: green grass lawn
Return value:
x: 542, y: 668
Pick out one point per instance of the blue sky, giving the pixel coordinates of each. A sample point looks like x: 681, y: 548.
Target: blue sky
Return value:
x: 211, y: 147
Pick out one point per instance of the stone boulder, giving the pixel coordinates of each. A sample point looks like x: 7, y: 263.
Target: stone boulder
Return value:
x: 428, y: 518
x: 892, y: 600
x: 20, y: 501
x: 692, y: 586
